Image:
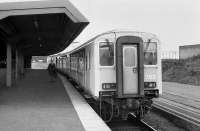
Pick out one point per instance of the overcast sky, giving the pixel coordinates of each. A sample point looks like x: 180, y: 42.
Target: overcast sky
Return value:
x: 175, y: 22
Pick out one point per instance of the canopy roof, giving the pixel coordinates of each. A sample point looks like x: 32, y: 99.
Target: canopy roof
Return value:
x: 39, y: 27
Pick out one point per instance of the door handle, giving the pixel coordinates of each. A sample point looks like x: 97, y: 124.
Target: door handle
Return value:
x: 134, y: 70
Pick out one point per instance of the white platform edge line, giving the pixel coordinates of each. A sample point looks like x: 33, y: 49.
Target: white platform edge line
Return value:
x: 80, y: 104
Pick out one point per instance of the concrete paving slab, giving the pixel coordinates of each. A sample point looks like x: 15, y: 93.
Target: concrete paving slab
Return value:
x: 36, y: 104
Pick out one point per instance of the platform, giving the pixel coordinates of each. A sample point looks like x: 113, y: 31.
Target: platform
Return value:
x: 36, y: 104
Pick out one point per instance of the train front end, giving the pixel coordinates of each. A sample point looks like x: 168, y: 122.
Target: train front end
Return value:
x: 138, y: 75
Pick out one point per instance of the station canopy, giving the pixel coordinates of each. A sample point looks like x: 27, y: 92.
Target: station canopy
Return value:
x: 39, y: 27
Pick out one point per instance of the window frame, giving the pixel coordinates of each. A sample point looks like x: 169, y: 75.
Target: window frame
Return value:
x: 135, y: 54
x: 102, y: 66
x: 145, y: 65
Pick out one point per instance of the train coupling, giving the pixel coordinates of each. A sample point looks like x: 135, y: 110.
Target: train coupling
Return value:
x: 132, y: 104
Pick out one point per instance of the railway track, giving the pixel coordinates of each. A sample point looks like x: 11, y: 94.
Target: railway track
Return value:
x: 183, y: 112
x: 131, y: 124
x: 193, y: 102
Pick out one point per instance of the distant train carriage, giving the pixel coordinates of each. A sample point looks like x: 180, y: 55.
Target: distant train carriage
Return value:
x: 121, y: 70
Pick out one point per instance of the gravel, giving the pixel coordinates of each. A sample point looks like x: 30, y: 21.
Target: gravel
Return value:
x: 161, y: 123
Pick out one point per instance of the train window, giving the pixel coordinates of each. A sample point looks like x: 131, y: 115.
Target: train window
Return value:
x: 67, y: 62
x: 81, y: 63
x: 150, y: 53
x: 88, y: 60
x: 130, y: 57
x: 106, y: 53
x: 72, y: 63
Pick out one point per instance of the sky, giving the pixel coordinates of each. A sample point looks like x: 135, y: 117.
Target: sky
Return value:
x: 175, y: 22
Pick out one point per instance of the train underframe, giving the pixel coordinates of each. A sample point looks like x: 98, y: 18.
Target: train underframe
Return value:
x: 108, y: 106
x: 112, y: 107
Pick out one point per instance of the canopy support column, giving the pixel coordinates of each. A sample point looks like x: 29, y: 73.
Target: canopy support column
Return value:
x: 21, y: 65
x: 9, y: 65
x: 17, y: 61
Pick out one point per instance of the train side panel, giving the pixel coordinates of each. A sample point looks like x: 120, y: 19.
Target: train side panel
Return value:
x: 81, y: 68
x: 105, y: 63
x: 90, y: 69
x: 159, y: 73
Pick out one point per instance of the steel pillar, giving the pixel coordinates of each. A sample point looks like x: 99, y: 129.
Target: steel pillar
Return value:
x: 9, y: 66
x: 17, y: 61
x: 22, y: 66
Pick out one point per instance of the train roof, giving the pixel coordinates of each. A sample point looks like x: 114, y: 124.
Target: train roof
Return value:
x: 116, y: 31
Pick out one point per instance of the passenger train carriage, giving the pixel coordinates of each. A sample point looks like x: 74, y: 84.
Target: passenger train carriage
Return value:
x: 121, y: 70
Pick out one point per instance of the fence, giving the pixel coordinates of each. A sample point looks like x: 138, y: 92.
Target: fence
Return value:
x: 170, y: 55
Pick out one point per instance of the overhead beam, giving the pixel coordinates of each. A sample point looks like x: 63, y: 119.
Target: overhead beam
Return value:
x: 34, y: 11
x: 57, y: 13
x: 49, y: 33
x: 7, y: 29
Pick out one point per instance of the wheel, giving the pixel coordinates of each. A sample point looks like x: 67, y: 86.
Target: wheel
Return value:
x: 106, y: 111
x: 140, y: 113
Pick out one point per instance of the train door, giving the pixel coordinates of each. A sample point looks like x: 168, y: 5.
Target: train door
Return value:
x: 130, y: 69
x: 87, y: 68
x: 129, y: 66
x: 82, y: 68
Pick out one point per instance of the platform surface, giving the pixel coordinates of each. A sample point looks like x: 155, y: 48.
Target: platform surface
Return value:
x: 36, y: 104
x: 89, y: 118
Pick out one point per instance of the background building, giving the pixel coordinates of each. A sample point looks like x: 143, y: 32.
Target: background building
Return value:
x: 188, y: 51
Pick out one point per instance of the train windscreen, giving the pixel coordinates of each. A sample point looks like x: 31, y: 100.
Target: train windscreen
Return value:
x: 150, y: 53
x: 106, y: 53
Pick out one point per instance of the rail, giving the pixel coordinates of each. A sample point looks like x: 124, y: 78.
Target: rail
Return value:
x: 149, y: 127
x: 131, y: 124
x: 178, y: 110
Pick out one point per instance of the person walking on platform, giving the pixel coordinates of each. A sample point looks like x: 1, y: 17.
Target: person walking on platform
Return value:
x: 52, y: 71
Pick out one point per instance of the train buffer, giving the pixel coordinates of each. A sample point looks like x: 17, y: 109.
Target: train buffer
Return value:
x: 36, y: 103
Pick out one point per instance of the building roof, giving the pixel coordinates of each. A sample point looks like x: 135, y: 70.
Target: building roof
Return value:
x: 190, y: 46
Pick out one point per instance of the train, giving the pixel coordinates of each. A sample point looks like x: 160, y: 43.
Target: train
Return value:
x: 119, y: 69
